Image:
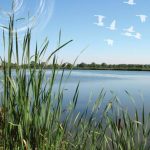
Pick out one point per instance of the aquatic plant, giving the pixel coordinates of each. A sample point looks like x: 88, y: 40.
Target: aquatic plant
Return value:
x: 33, y: 117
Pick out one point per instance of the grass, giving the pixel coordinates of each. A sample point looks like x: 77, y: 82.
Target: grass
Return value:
x: 31, y: 115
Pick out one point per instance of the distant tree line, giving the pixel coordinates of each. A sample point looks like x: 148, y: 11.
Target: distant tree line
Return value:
x: 84, y: 66
x: 104, y: 66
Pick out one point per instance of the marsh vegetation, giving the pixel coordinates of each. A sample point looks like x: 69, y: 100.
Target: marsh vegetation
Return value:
x: 33, y: 117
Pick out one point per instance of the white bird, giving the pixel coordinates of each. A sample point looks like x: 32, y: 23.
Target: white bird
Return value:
x: 142, y: 18
x: 130, y: 29
x: 130, y: 2
x: 138, y: 36
x: 110, y: 42
x: 112, y: 25
x: 128, y: 34
x: 100, y: 20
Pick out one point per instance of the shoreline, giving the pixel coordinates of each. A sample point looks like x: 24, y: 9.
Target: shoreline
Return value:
x: 103, y: 69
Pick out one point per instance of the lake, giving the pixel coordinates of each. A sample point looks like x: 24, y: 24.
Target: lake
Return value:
x: 137, y: 83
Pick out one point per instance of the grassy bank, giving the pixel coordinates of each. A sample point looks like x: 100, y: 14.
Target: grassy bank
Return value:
x: 31, y: 114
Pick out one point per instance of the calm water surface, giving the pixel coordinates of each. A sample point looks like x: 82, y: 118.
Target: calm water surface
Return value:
x: 92, y: 82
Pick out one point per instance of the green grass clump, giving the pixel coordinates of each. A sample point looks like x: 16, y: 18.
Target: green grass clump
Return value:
x: 31, y: 114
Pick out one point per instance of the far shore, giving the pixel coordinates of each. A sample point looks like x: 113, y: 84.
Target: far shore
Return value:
x: 101, y: 69
x: 81, y: 66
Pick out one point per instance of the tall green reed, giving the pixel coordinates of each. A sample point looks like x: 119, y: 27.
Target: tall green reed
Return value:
x: 32, y: 113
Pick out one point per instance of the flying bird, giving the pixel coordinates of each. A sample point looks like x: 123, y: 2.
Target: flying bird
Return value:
x: 128, y: 34
x: 112, y: 25
x: 130, y: 2
x: 130, y: 29
x: 110, y: 42
x: 138, y: 36
x: 100, y: 20
x: 142, y: 18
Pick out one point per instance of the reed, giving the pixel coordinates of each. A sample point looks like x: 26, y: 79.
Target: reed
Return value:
x: 31, y: 114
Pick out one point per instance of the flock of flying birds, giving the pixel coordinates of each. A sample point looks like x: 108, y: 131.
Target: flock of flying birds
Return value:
x: 129, y: 32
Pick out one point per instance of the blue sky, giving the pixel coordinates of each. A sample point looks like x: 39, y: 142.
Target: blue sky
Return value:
x: 76, y: 20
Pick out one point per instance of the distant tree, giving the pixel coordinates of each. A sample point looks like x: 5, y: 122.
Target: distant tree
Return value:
x: 69, y: 66
x: 103, y: 64
x: 82, y: 65
x: 93, y: 65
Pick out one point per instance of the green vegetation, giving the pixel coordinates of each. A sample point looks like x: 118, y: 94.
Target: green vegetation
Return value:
x: 104, y: 66
x: 32, y: 116
x: 92, y: 66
